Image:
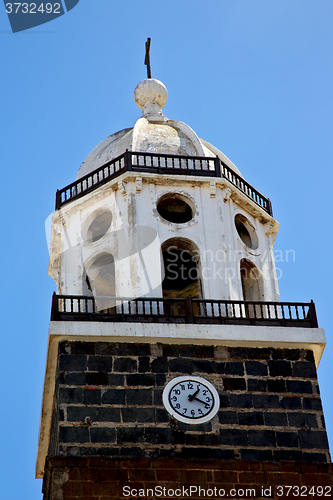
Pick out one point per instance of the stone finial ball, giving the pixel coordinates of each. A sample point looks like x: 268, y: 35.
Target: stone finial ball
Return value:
x: 150, y: 90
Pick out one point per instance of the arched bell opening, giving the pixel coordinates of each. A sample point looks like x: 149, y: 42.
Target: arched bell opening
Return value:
x: 181, y: 269
x: 252, y: 286
x: 101, y: 280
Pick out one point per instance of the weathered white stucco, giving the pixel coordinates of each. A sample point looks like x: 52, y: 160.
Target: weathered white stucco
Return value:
x: 134, y: 215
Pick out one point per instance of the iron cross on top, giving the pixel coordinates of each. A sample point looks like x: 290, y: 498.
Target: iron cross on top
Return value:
x: 147, y: 58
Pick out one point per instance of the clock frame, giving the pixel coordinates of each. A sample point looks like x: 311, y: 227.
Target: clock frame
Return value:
x: 191, y: 400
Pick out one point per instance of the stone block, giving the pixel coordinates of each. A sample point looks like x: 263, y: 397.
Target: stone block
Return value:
x: 304, y: 369
x: 250, y: 418
x: 92, y: 396
x: 291, y: 403
x: 190, y: 351
x: 142, y: 379
x: 219, y: 367
x: 256, y: 385
x: 73, y: 434
x: 180, y: 365
x: 100, y: 364
x: 97, y: 378
x: 144, y: 364
x: 139, y: 396
x: 72, y: 363
x: 277, y: 385
x: 162, y: 415
x: 261, y: 438
x: 131, y: 349
x: 238, y: 353
x: 234, y: 368
x: 160, y: 379
x: 114, y: 396
x: 279, y: 368
x: 299, y: 386
x: 64, y: 347
x: 70, y: 395
x: 146, y: 415
x: 224, y: 401
x: 102, y: 435
x: 108, y: 414
x: 106, y: 348
x: 133, y: 451
x: 156, y: 435
x: 265, y: 401
x: 227, y: 417
x: 233, y: 437
x: 159, y: 365
x: 142, y: 415
x: 78, y: 347
x: 259, y: 353
x: 255, y: 454
x: 287, y: 439
x: 316, y: 457
x: 206, y: 439
x: 178, y: 437
x: 302, y: 419
x: 256, y: 368
x: 273, y: 419
x: 312, y: 404
x: 130, y: 435
x: 80, y: 413
x: 202, y: 366
x: 313, y: 439
x: 73, y: 378
x: 129, y: 414
x: 128, y: 365
x: 295, y: 455
x: 286, y: 354
x: 157, y: 397
x: 116, y: 379
x: 240, y: 400
x: 234, y: 384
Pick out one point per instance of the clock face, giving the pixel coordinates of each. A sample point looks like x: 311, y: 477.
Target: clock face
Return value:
x: 192, y: 400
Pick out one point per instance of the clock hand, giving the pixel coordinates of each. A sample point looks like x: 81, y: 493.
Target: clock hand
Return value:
x: 192, y: 396
x: 200, y: 401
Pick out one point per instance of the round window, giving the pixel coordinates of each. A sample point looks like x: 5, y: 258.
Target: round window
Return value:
x: 246, y: 232
x: 175, y: 208
x: 99, y: 226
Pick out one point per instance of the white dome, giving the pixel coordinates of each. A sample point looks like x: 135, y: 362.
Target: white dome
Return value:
x: 153, y: 133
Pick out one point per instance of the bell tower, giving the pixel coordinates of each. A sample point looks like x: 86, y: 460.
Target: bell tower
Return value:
x: 172, y: 363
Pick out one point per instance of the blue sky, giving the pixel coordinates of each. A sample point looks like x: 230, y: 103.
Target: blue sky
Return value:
x: 253, y: 77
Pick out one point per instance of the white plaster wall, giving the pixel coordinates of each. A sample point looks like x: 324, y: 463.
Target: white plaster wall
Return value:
x: 138, y: 273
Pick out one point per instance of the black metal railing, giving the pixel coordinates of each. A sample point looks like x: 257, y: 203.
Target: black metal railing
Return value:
x: 160, y: 164
x: 246, y: 188
x: 195, y: 311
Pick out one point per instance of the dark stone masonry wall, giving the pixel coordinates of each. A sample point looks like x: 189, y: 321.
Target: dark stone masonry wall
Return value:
x: 110, y: 403
x: 75, y: 478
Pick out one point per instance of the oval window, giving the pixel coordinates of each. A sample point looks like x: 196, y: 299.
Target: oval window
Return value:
x: 175, y: 208
x: 246, y: 232
x: 99, y: 226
